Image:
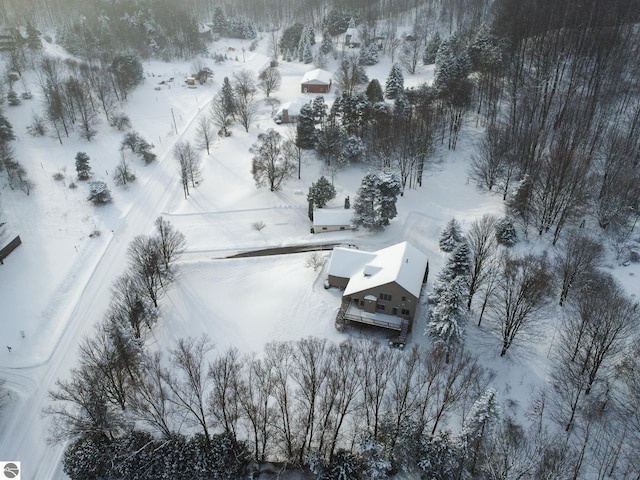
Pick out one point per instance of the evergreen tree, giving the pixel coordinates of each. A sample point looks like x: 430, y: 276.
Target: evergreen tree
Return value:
x: 13, y: 99
x: 228, y: 98
x: 319, y: 109
x: 306, y: 134
x: 375, y: 461
x: 83, y: 169
x: 374, y: 91
x: 446, y: 316
x: 441, y: 457
x: 478, y: 427
x: 450, y: 236
x: 6, y: 130
x: 291, y: 38
x: 321, y: 192
x: 127, y: 72
x: 326, y: 46
x: 369, y: 55
x: 220, y: 24
x: 431, y: 49
x: 375, y: 203
x: 307, y: 54
x: 395, y: 82
x: 506, y: 233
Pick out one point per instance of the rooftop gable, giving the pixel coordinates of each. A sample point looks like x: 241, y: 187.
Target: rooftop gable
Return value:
x: 346, y: 262
x: 317, y: 77
x: 401, y: 263
x: 332, y: 216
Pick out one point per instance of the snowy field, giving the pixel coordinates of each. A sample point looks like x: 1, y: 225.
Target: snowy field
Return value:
x: 57, y: 284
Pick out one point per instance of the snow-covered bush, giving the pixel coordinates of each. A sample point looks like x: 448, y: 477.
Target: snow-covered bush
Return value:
x: 99, y: 193
x: 506, y: 233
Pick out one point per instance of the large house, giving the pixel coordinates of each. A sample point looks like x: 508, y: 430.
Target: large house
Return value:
x: 316, y: 81
x: 381, y: 288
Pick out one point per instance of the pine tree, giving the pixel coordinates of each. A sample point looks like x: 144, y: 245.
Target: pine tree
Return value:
x: 441, y: 457
x: 431, y: 50
x: 446, y: 317
x: 479, y: 425
x: 326, y: 46
x: 374, y: 91
x: 307, y: 55
x: 6, y: 130
x: 321, y: 192
x: 375, y: 203
x: 220, y: 24
x: 306, y: 134
x: 395, y: 82
x: 83, y: 169
x: 450, y: 236
x: 13, y: 99
x: 369, y: 55
x: 228, y: 98
x: 506, y: 233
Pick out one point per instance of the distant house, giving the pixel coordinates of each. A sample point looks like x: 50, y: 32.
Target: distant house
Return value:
x: 8, y: 38
x: 290, y: 111
x: 381, y: 288
x: 191, y: 82
x: 331, y: 220
x: 352, y: 37
x: 316, y: 81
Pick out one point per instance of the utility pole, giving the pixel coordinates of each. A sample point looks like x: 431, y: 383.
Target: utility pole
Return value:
x: 174, y: 121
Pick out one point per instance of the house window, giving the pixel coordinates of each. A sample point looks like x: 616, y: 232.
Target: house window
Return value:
x: 404, y: 299
x: 405, y: 311
x: 385, y: 296
x: 324, y: 228
x: 361, y: 303
x: 379, y: 306
x: 341, y: 228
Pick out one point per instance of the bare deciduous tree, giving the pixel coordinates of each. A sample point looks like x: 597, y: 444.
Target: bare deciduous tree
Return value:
x: 482, y: 242
x: 146, y: 265
x: 270, y: 80
x: 224, y: 399
x: 204, y: 132
x: 190, y: 384
x: 150, y: 398
x: 170, y: 241
x: 522, y: 293
x: 578, y: 256
x: 246, y: 111
x: 270, y: 167
x: 189, y: 166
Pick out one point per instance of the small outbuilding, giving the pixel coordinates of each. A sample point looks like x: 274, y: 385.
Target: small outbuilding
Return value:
x: 331, y: 220
x: 316, y: 81
x: 290, y: 111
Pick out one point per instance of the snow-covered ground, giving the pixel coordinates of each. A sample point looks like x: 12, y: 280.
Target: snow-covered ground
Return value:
x: 56, y: 285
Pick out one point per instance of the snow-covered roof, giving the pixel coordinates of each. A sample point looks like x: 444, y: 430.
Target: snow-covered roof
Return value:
x: 346, y: 262
x: 401, y: 263
x: 353, y: 34
x: 332, y: 216
x: 317, y: 77
x: 293, y: 107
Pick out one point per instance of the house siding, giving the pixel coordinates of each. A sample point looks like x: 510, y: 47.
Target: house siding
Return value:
x: 338, y: 282
x: 313, y: 88
x: 397, y: 293
x: 329, y: 228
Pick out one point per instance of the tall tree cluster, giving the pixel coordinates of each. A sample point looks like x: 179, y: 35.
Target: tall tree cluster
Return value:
x: 301, y: 400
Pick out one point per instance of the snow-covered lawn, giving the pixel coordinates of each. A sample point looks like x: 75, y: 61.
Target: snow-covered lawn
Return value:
x: 56, y: 286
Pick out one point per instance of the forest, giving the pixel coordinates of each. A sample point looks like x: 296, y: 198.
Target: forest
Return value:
x: 553, y: 87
